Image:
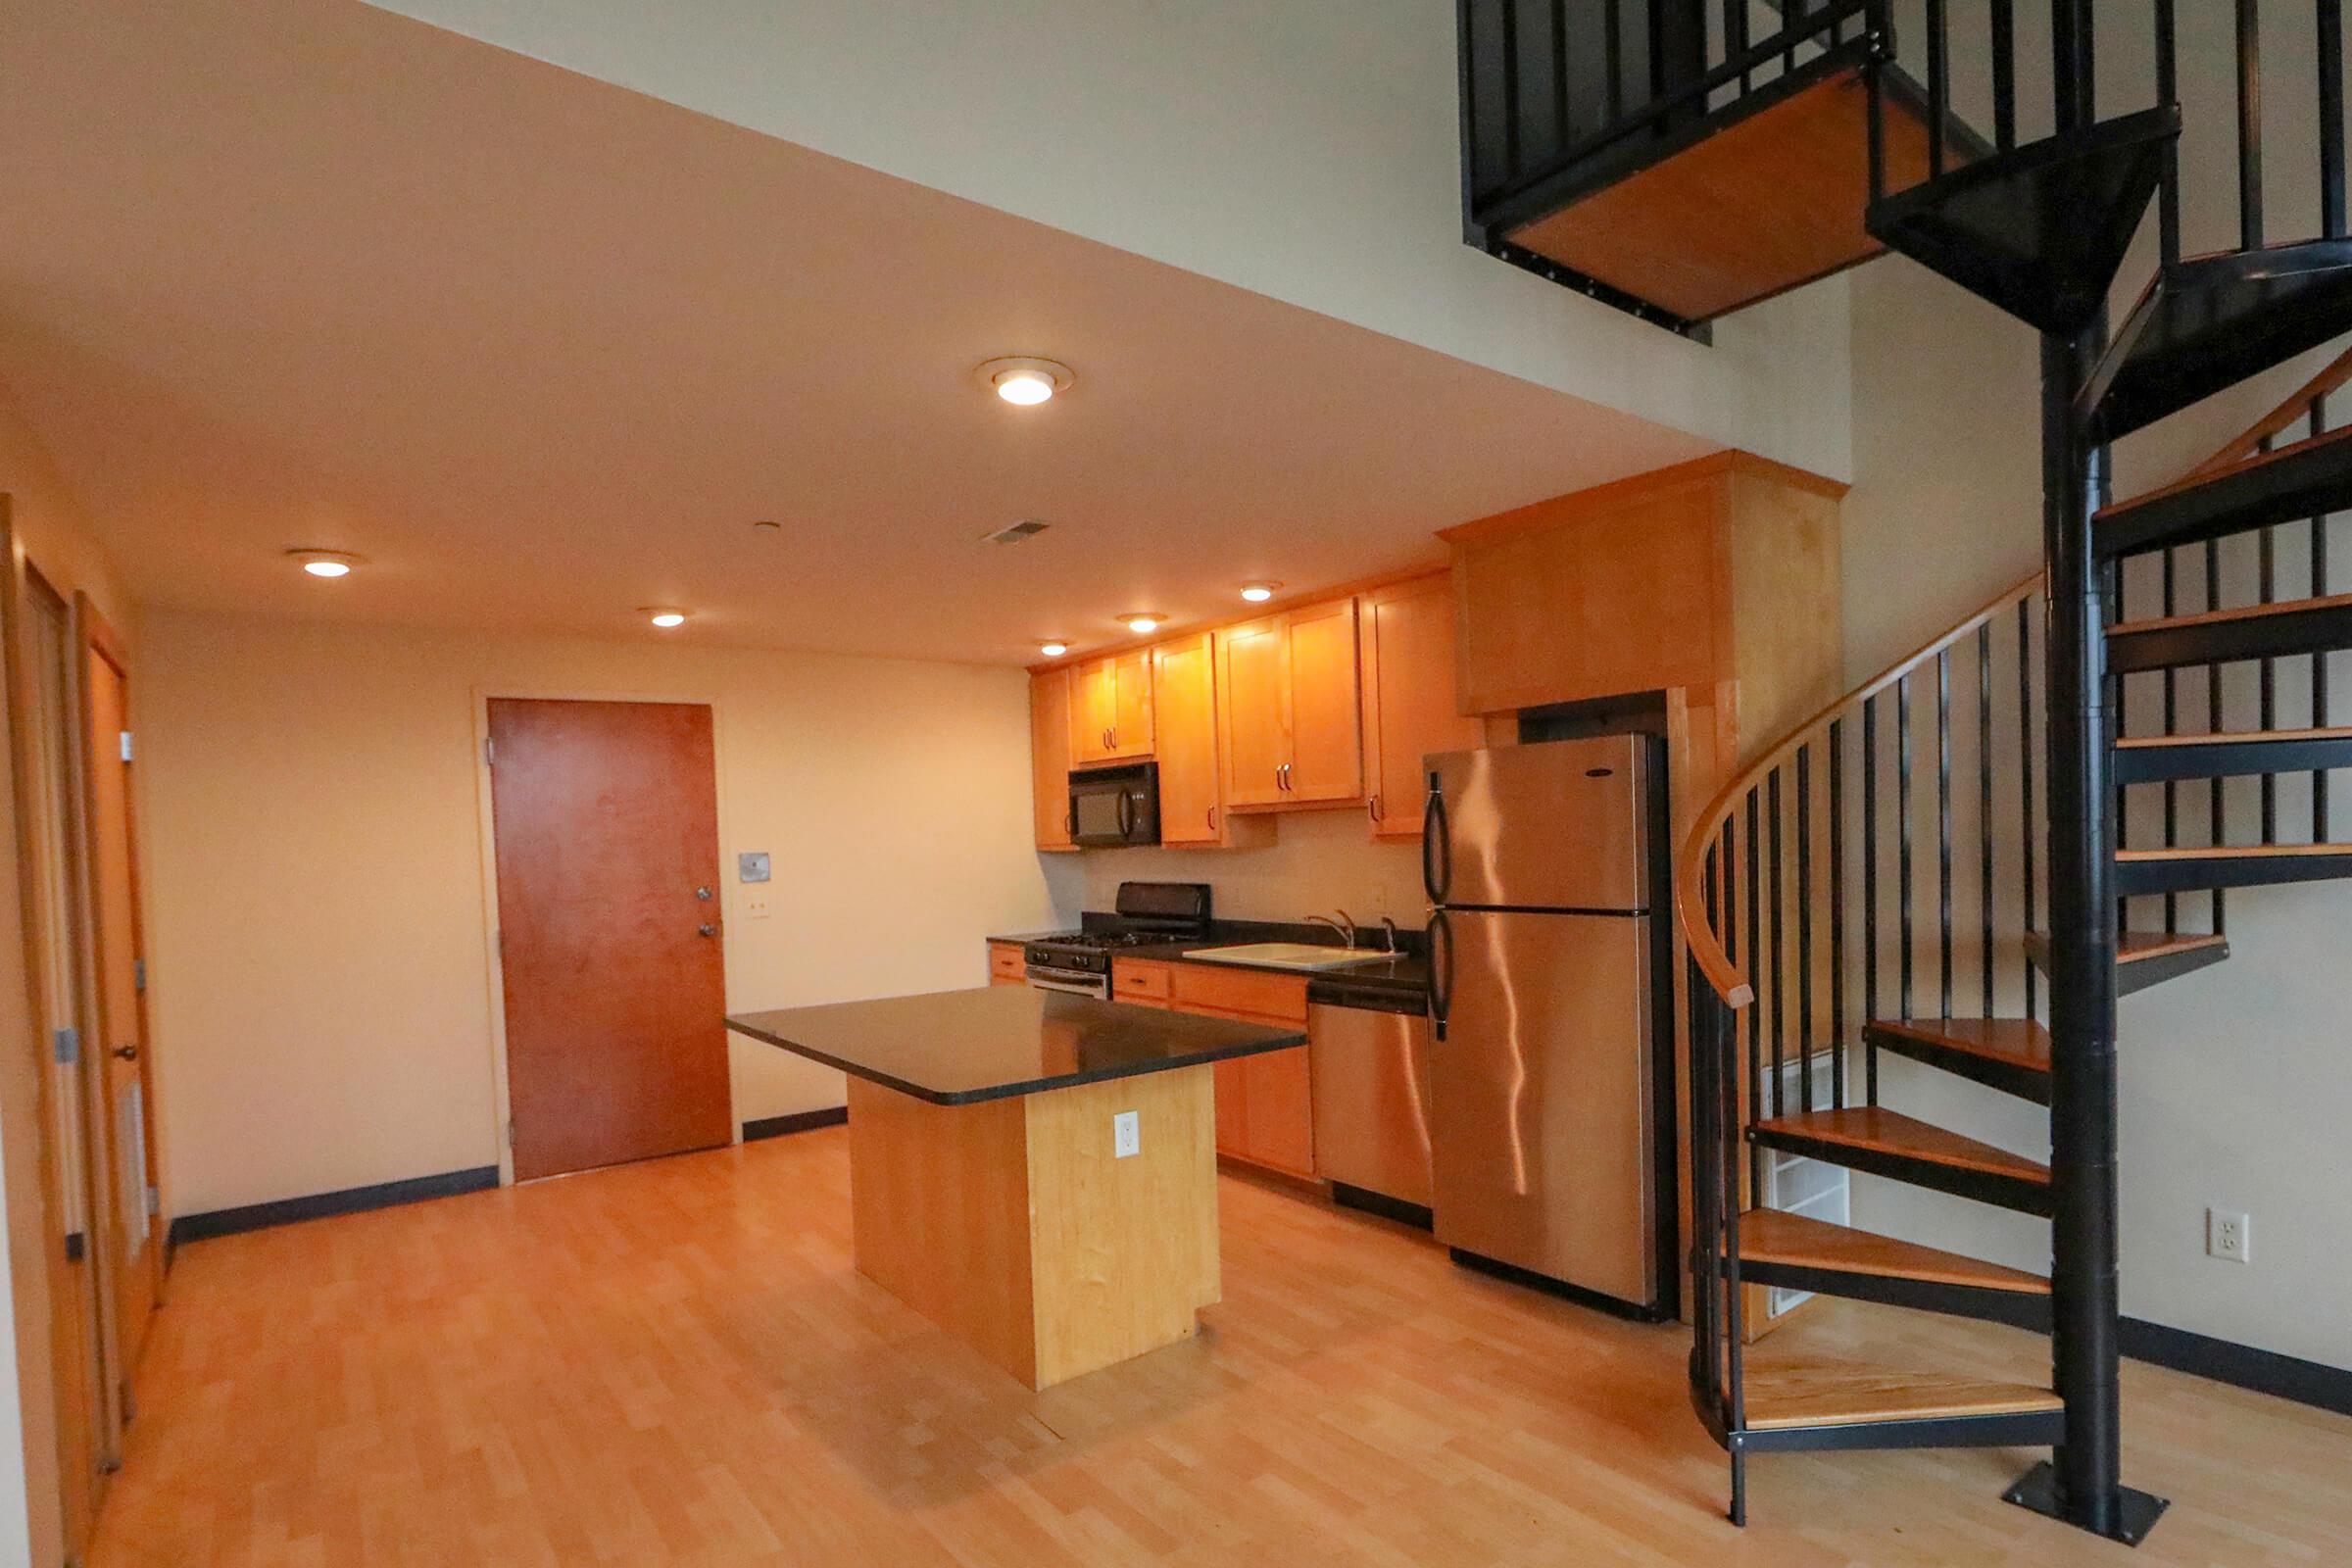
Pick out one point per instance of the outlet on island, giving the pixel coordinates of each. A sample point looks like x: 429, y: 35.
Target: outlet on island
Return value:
x: 1126, y: 1135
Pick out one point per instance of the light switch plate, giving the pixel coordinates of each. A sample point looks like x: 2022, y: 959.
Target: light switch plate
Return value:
x: 1126, y: 1135
x: 752, y: 866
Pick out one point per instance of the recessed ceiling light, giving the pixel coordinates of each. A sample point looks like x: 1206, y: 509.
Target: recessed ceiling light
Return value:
x: 1052, y: 647
x: 663, y: 616
x: 1258, y: 593
x: 324, y: 562
x: 1023, y: 380
x: 1142, y: 622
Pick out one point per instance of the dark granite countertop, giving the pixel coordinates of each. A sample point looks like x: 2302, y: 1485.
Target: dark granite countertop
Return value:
x: 952, y: 1047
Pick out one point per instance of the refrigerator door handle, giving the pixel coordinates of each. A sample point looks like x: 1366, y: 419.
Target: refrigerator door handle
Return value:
x: 1437, y: 855
x: 1441, y: 972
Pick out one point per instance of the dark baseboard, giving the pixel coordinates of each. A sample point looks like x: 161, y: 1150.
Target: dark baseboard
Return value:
x: 800, y: 1121
x: 318, y: 1205
x: 2312, y: 1383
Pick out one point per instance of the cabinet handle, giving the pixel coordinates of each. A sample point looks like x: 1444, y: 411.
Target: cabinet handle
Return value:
x: 1213, y: 819
x: 1372, y: 809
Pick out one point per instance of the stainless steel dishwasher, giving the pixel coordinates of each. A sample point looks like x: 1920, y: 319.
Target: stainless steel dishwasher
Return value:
x: 1369, y: 1050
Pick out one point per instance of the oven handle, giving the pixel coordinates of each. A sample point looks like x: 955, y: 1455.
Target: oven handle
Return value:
x: 1077, y: 983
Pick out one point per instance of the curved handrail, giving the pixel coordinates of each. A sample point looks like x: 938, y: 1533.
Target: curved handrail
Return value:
x: 1689, y: 869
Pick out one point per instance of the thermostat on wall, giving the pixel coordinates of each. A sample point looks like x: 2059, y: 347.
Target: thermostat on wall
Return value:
x: 752, y: 866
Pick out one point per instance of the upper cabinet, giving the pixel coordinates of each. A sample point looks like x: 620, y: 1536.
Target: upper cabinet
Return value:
x: 1409, y: 699
x: 1049, y: 758
x: 1185, y: 684
x: 1111, y: 708
x: 1289, y: 717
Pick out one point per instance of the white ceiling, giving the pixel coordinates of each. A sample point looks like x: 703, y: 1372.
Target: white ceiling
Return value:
x: 286, y: 272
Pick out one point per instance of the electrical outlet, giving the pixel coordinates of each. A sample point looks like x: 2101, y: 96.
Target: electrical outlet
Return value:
x: 2228, y: 1237
x: 755, y: 905
x: 1126, y: 1135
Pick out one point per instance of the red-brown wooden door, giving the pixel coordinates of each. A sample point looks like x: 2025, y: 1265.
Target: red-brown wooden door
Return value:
x: 606, y: 817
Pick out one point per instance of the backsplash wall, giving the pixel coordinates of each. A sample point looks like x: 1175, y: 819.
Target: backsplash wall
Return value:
x: 1318, y: 861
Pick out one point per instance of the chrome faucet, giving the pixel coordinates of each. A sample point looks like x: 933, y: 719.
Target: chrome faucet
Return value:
x: 1388, y: 930
x: 1343, y: 926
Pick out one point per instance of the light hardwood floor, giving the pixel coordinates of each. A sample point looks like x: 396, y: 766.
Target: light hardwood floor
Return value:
x: 673, y: 1363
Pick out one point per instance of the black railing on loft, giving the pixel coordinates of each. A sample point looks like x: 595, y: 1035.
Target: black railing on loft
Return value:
x: 1562, y: 97
x: 1854, y: 799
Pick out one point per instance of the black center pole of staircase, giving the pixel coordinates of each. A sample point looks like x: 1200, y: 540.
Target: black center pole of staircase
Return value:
x: 2083, y: 1486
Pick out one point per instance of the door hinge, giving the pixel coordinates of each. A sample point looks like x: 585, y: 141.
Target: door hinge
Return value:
x: 75, y: 1247
x: 489, y: 751
x: 68, y: 1044
x: 138, y: 974
x: 126, y: 745
x: 154, y: 1200
x: 510, y: 1133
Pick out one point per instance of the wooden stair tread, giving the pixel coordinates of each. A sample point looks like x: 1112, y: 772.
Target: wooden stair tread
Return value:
x: 2204, y: 478
x: 2133, y: 946
x: 1887, y: 1132
x: 1833, y: 1394
x: 2211, y: 618
x: 2235, y: 737
x: 1770, y: 1236
x: 2020, y: 1042
x: 2233, y: 852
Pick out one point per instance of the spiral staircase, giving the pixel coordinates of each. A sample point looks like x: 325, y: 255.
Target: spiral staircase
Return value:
x: 1936, y: 867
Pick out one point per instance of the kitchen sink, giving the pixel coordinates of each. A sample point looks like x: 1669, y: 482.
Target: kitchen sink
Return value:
x: 1290, y: 956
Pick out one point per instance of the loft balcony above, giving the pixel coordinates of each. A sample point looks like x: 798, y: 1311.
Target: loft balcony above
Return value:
x: 1654, y: 155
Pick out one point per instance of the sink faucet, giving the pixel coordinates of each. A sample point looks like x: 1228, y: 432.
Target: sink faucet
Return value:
x: 1343, y: 926
x: 1388, y: 930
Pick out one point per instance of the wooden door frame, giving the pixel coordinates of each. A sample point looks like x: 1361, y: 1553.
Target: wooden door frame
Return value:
x: 494, y: 967
x: 39, y: 921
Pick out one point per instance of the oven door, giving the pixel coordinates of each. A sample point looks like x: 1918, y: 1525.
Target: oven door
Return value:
x: 1076, y: 982
x: 1113, y: 806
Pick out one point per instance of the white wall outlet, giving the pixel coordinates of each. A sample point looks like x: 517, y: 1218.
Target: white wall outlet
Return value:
x: 1126, y: 1135
x: 2228, y: 1237
x: 755, y: 903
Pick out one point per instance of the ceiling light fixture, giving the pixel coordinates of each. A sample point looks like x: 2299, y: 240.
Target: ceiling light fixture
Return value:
x: 1258, y: 593
x: 1023, y: 380
x: 664, y: 617
x: 1052, y: 647
x: 1142, y: 622
x: 324, y: 562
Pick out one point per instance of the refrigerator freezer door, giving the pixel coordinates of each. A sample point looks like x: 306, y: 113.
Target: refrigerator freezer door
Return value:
x: 1558, y: 826
x: 1540, y: 1100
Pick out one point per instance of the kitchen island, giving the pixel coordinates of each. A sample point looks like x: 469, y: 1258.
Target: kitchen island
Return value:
x: 1033, y: 1171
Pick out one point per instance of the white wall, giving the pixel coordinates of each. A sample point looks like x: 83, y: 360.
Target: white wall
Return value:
x: 1304, y: 150
x: 1319, y: 861
x: 2235, y: 1083
x: 321, y: 962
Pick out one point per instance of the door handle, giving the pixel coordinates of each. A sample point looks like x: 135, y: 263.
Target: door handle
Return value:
x: 705, y: 930
x: 1126, y: 814
x: 128, y: 1053
x: 704, y: 893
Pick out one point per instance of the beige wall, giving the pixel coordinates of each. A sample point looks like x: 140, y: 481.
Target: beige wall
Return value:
x: 322, y: 967
x: 1319, y: 861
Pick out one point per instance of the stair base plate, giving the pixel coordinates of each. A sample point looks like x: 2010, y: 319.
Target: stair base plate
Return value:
x: 2038, y: 1490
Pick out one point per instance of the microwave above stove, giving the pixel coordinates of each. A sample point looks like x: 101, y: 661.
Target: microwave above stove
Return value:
x: 1112, y: 806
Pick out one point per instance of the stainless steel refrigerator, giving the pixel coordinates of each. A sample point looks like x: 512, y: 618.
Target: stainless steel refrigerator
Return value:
x: 1547, y: 1083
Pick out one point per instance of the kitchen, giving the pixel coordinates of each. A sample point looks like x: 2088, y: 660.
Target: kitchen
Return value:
x: 1499, y: 1072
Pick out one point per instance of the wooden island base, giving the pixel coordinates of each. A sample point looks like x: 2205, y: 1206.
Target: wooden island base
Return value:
x: 1010, y: 1224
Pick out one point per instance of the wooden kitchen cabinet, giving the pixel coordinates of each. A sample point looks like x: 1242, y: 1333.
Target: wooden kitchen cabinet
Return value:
x: 1265, y: 1103
x: 1111, y: 708
x: 1185, y: 722
x: 1143, y: 982
x: 1290, y: 721
x: 1409, y: 699
x: 1005, y: 965
x: 1049, y: 758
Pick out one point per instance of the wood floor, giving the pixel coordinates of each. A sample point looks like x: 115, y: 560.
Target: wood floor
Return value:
x: 673, y: 1363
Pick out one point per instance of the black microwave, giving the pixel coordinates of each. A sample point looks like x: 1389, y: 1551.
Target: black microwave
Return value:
x: 1110, y: 807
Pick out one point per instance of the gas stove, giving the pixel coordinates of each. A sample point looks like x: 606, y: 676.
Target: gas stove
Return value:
x: 1079, y: 961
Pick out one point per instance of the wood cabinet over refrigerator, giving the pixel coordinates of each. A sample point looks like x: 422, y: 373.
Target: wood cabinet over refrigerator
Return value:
x: 1410, y: 697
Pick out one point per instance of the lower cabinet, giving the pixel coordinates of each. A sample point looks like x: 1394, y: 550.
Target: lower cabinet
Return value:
x: 1265, y: 1103
x: 1005, y: 965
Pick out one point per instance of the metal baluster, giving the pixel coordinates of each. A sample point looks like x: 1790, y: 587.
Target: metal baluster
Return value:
x: 1755, y: 981
x: 1838, y: 913
x: 1613, y: 56
x: 1513, y: 149
x: 2319, y: 528
x: 2025, y: 800
x: 2172, y: 726
x: 1870, y: 891
x: 2216, y: 800
x: 1564, y: 129
x: 1943, y: 831
x: 2330, y: 26
x: 1772, y: 788
x: 1735, y: 37
x: 2168, y: 90
x: 1940, y: 87
x: 1902, y: 825
x: 1804, y: 927
x: 2250, y: 125
x: 2267, y: 555
x: 1985, y: 804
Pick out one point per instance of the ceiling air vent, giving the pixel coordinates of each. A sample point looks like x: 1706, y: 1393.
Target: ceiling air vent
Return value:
x: 1014, y: 533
